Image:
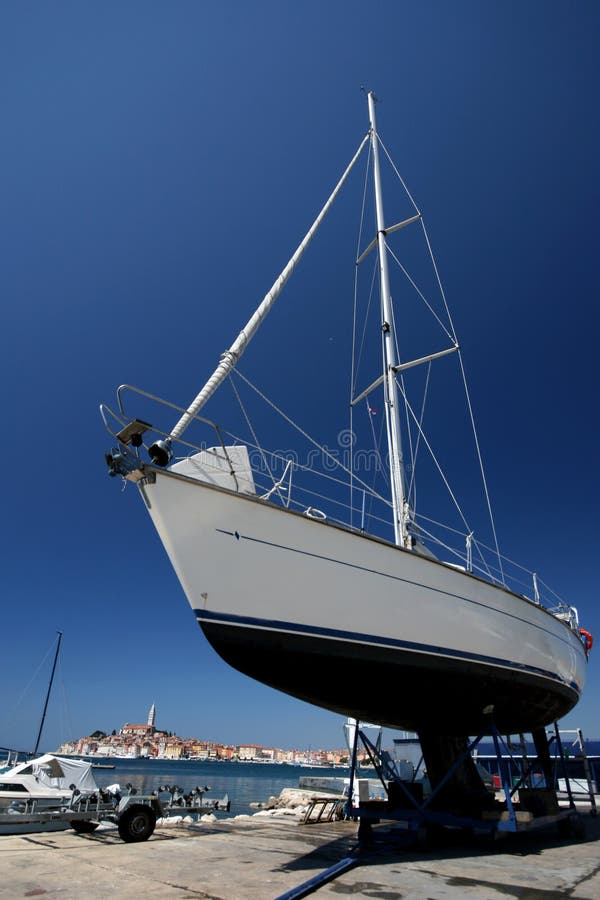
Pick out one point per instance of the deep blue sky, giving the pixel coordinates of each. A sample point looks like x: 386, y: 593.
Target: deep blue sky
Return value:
x: 160, y: 161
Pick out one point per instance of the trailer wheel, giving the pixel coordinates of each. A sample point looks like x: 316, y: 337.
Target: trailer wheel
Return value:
x: 81, y: 826
x: 136, y: 823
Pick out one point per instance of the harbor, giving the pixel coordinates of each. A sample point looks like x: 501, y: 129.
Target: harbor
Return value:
x: 321, y: 836
x: 327, y: 276
x: 262, y: 857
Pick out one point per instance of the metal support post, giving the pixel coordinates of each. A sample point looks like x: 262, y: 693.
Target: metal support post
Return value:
x: 504, y: 769
x: 563, y: 765
x: 353, y: 760
x: 384, y: 770
x: 587, y: 771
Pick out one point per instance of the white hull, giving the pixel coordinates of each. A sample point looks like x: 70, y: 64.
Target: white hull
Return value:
x: 337, y: 618
x: 29, y: 827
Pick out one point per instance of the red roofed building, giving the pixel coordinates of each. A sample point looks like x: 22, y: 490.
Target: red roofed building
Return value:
x: 141, y: 731
x: 136, y: 730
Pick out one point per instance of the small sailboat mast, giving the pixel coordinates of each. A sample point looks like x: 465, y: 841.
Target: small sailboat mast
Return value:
x: 392, y: 412
x: 56, y: 652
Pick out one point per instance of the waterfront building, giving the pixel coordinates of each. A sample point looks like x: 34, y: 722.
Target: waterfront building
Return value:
x: 173, y: 748
x: 144, y: 740
x: 249, y: 752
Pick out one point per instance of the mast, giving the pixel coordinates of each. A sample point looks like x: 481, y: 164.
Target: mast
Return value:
x: 39, y: 737
x: 392, y: 412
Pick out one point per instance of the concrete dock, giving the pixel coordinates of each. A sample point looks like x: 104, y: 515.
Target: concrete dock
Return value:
x: 257, y: 858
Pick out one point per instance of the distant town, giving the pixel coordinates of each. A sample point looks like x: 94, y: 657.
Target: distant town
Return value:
x: 137, y: 741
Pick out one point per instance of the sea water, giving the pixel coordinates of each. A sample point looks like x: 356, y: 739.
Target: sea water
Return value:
x: 244, y: 783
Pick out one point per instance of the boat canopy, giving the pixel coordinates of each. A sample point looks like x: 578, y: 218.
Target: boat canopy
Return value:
x: 56, y: 772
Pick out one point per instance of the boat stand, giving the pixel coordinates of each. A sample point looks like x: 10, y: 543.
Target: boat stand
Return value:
x: 588, y: 780
x: 522, y: 805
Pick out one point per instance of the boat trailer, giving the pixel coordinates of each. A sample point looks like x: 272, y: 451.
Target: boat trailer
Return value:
x: 135, y: 815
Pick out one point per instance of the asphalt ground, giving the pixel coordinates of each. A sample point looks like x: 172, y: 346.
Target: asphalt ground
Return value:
x: 258, y: 858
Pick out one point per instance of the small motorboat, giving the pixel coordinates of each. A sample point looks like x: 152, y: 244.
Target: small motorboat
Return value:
x: 47, y: 782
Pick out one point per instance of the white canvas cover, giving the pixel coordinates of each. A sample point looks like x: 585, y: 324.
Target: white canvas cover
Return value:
x: 215, y: 466
x: 56, y: 772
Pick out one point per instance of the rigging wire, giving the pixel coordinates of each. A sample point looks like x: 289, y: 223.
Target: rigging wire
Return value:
x: 376, y: 444
x: 435, y: 460
x: 305, y: 434
x: 448, y: 334
x: 364, y: 331
x: 353, y: 371
x: 399, y: 176
x: 468, y: 397
x: 408, y: 428
x: 355, y: 365
x: 481, y: 544
x: 412, y: 486
x: 67, y: 726
x: 482, y: 470
x: 413, y: 448
x: 19, y: 701
x: 483, y: 568
x: 255, y: 439
x: 380, y: 468
x: 459, y: 555
x: 464, y: 535
x: 300, y: 467
x: 312, y: 493
x: 451, y: 322
x: 413, y: 440
x: 367, y: 312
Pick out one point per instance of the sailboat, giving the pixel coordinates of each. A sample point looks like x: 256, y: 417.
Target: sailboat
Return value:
x: 13, y: 755
x: 375, y: 628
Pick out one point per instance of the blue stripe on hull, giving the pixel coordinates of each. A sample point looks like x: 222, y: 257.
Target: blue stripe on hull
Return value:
x: 395, y: 683
x: 352, y: 637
